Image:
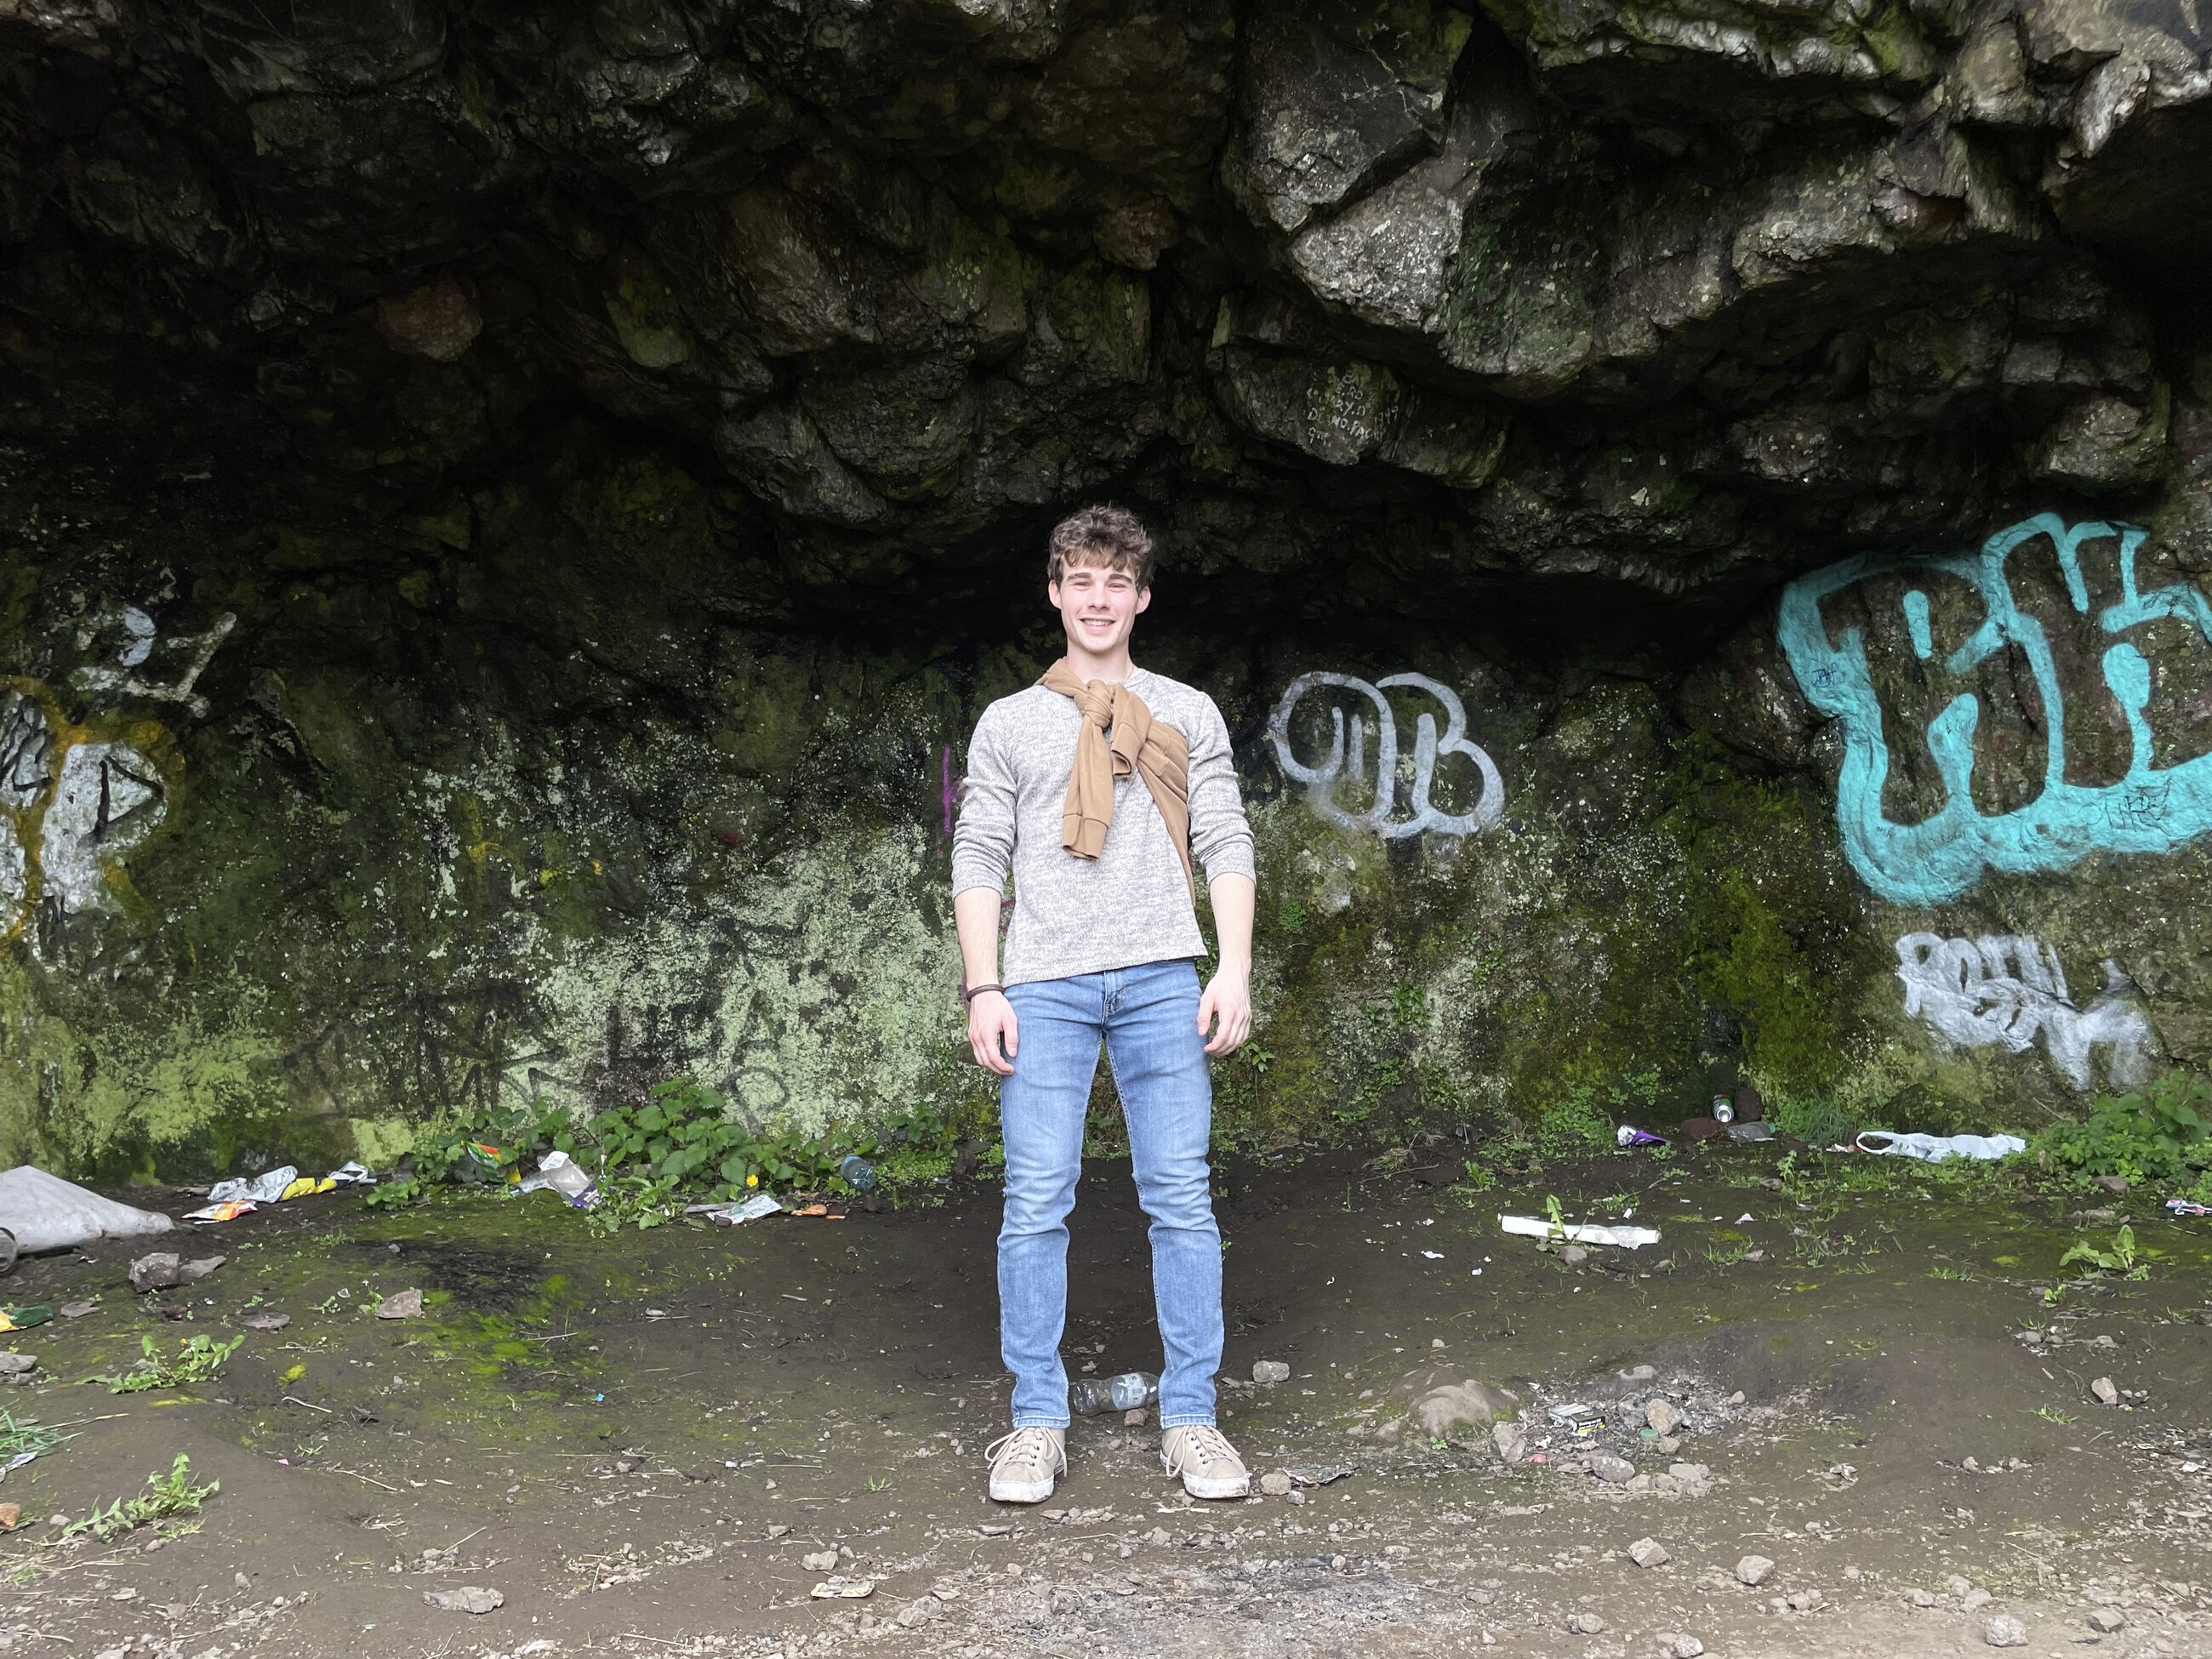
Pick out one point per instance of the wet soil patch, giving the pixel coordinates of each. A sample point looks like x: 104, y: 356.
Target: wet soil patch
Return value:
x: 481, y: 1276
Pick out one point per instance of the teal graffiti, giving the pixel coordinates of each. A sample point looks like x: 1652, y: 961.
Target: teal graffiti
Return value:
x: 2149, y: 810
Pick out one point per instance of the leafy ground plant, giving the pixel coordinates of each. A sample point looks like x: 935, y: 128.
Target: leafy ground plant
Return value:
x: 166, y: 1496
x: 685, y: 1141
x: 197, y: 1359
x: 2162, y: 1134
x: 19, y: 1435
x: 2120, y: 1258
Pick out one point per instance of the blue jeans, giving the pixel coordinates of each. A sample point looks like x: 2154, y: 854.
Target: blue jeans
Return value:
x: 1148, y: 1016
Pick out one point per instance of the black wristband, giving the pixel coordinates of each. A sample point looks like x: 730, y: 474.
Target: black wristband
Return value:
x: 975, y: 991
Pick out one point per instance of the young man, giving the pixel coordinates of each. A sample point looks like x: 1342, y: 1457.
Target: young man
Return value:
x: 1100, y: 782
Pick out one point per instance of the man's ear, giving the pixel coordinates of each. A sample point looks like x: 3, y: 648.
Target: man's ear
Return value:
x: 1143, y: 599
x: 1052, y: 593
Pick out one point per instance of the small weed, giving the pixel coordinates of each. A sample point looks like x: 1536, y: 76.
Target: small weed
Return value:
x: 199, y: 1359
x: 19, y: 1435
x: 879, y: 1482
x: 2120, y: 1258
x: 1959, y: 1273
x: 2052, y: 1414
x: 165, y: 1496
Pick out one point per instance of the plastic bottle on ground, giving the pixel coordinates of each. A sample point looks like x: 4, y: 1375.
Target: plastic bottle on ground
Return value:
x: 1087, y: 1396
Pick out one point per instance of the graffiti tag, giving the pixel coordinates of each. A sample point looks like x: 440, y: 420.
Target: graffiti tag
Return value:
x: 1347, y: 757
x: 136, y: 641
x: 74, y: 800
x: 2007, y: 990
x: 2149, y: 810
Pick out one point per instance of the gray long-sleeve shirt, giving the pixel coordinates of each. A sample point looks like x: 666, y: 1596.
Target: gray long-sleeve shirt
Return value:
x: 1128, y: 906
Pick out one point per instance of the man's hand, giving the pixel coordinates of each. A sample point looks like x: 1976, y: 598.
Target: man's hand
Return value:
x: 990, y: 1022
x: 1226, y: 1010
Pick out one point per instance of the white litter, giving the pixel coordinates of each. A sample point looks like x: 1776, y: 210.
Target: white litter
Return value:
x: 265, y: 1188
x: 733, y: 1212
x: 1579, y: 1232
x: 46, y: 1213
x: 1934, y: 1149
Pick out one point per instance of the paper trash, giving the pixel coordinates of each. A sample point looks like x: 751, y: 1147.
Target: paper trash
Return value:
x: 1577, y: 1232
x: 751, y: 1209
x: 265, y: 1188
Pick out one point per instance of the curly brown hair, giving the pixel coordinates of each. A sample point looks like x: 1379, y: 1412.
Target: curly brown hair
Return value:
x: 1107, y: 535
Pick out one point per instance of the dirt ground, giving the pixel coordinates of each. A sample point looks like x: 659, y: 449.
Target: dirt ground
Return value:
x: 638, y: 1441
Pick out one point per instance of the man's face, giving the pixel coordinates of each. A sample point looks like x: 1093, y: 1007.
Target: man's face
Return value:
x: 1097, y: 606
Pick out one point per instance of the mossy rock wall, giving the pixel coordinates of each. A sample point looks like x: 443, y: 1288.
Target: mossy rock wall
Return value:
x: 496, y: 816
x: 509, y: 515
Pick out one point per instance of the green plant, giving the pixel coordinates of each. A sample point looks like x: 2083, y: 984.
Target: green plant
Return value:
x: 2120, y: 1258
x: 1290, y: 916
x: 2158, y: 1134
x: 1814, y: 1120
x: 1479, y: 1176
x: 1573, y: 1126
x: 165, y: 1496
x: 198, y: 1360
x: 25, y: 1434
x: 682, y: 1141
x: 2052, y: 1414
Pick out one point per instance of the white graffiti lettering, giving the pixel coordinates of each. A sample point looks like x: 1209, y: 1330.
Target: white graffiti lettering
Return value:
x: 2006, y: 990
x: 137, y: 641
x: 1321, y: 781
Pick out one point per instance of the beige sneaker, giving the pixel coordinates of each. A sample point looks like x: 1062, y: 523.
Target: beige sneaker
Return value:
x: 1208, y: 1464
x: 1025, y: 1463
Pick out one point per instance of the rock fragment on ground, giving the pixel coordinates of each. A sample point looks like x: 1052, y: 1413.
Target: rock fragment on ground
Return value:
x: 404, y: 1304
x: 1585, y: 1624
x: 77, y: 1309
x: 1456, y: 1409
x: 2004, y: 1631
x: 2105, y: 1620
x: 1663, y: 1415
x: 467, y: 1598
x: 1648, y: 1553
x: 2104, y: 1391
x: 1275, y: 1483
x: 1270, y: 1370
x: 1509, y: 1440
x: 1674, y: 1645
x: 1753, y: 1570
x: 156, y: 1272
x: 1614, y: 1470
x: 820, y: 1561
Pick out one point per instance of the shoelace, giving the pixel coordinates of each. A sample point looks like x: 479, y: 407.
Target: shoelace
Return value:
x: 1209, y: 1443
x: 1026, y: 1446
